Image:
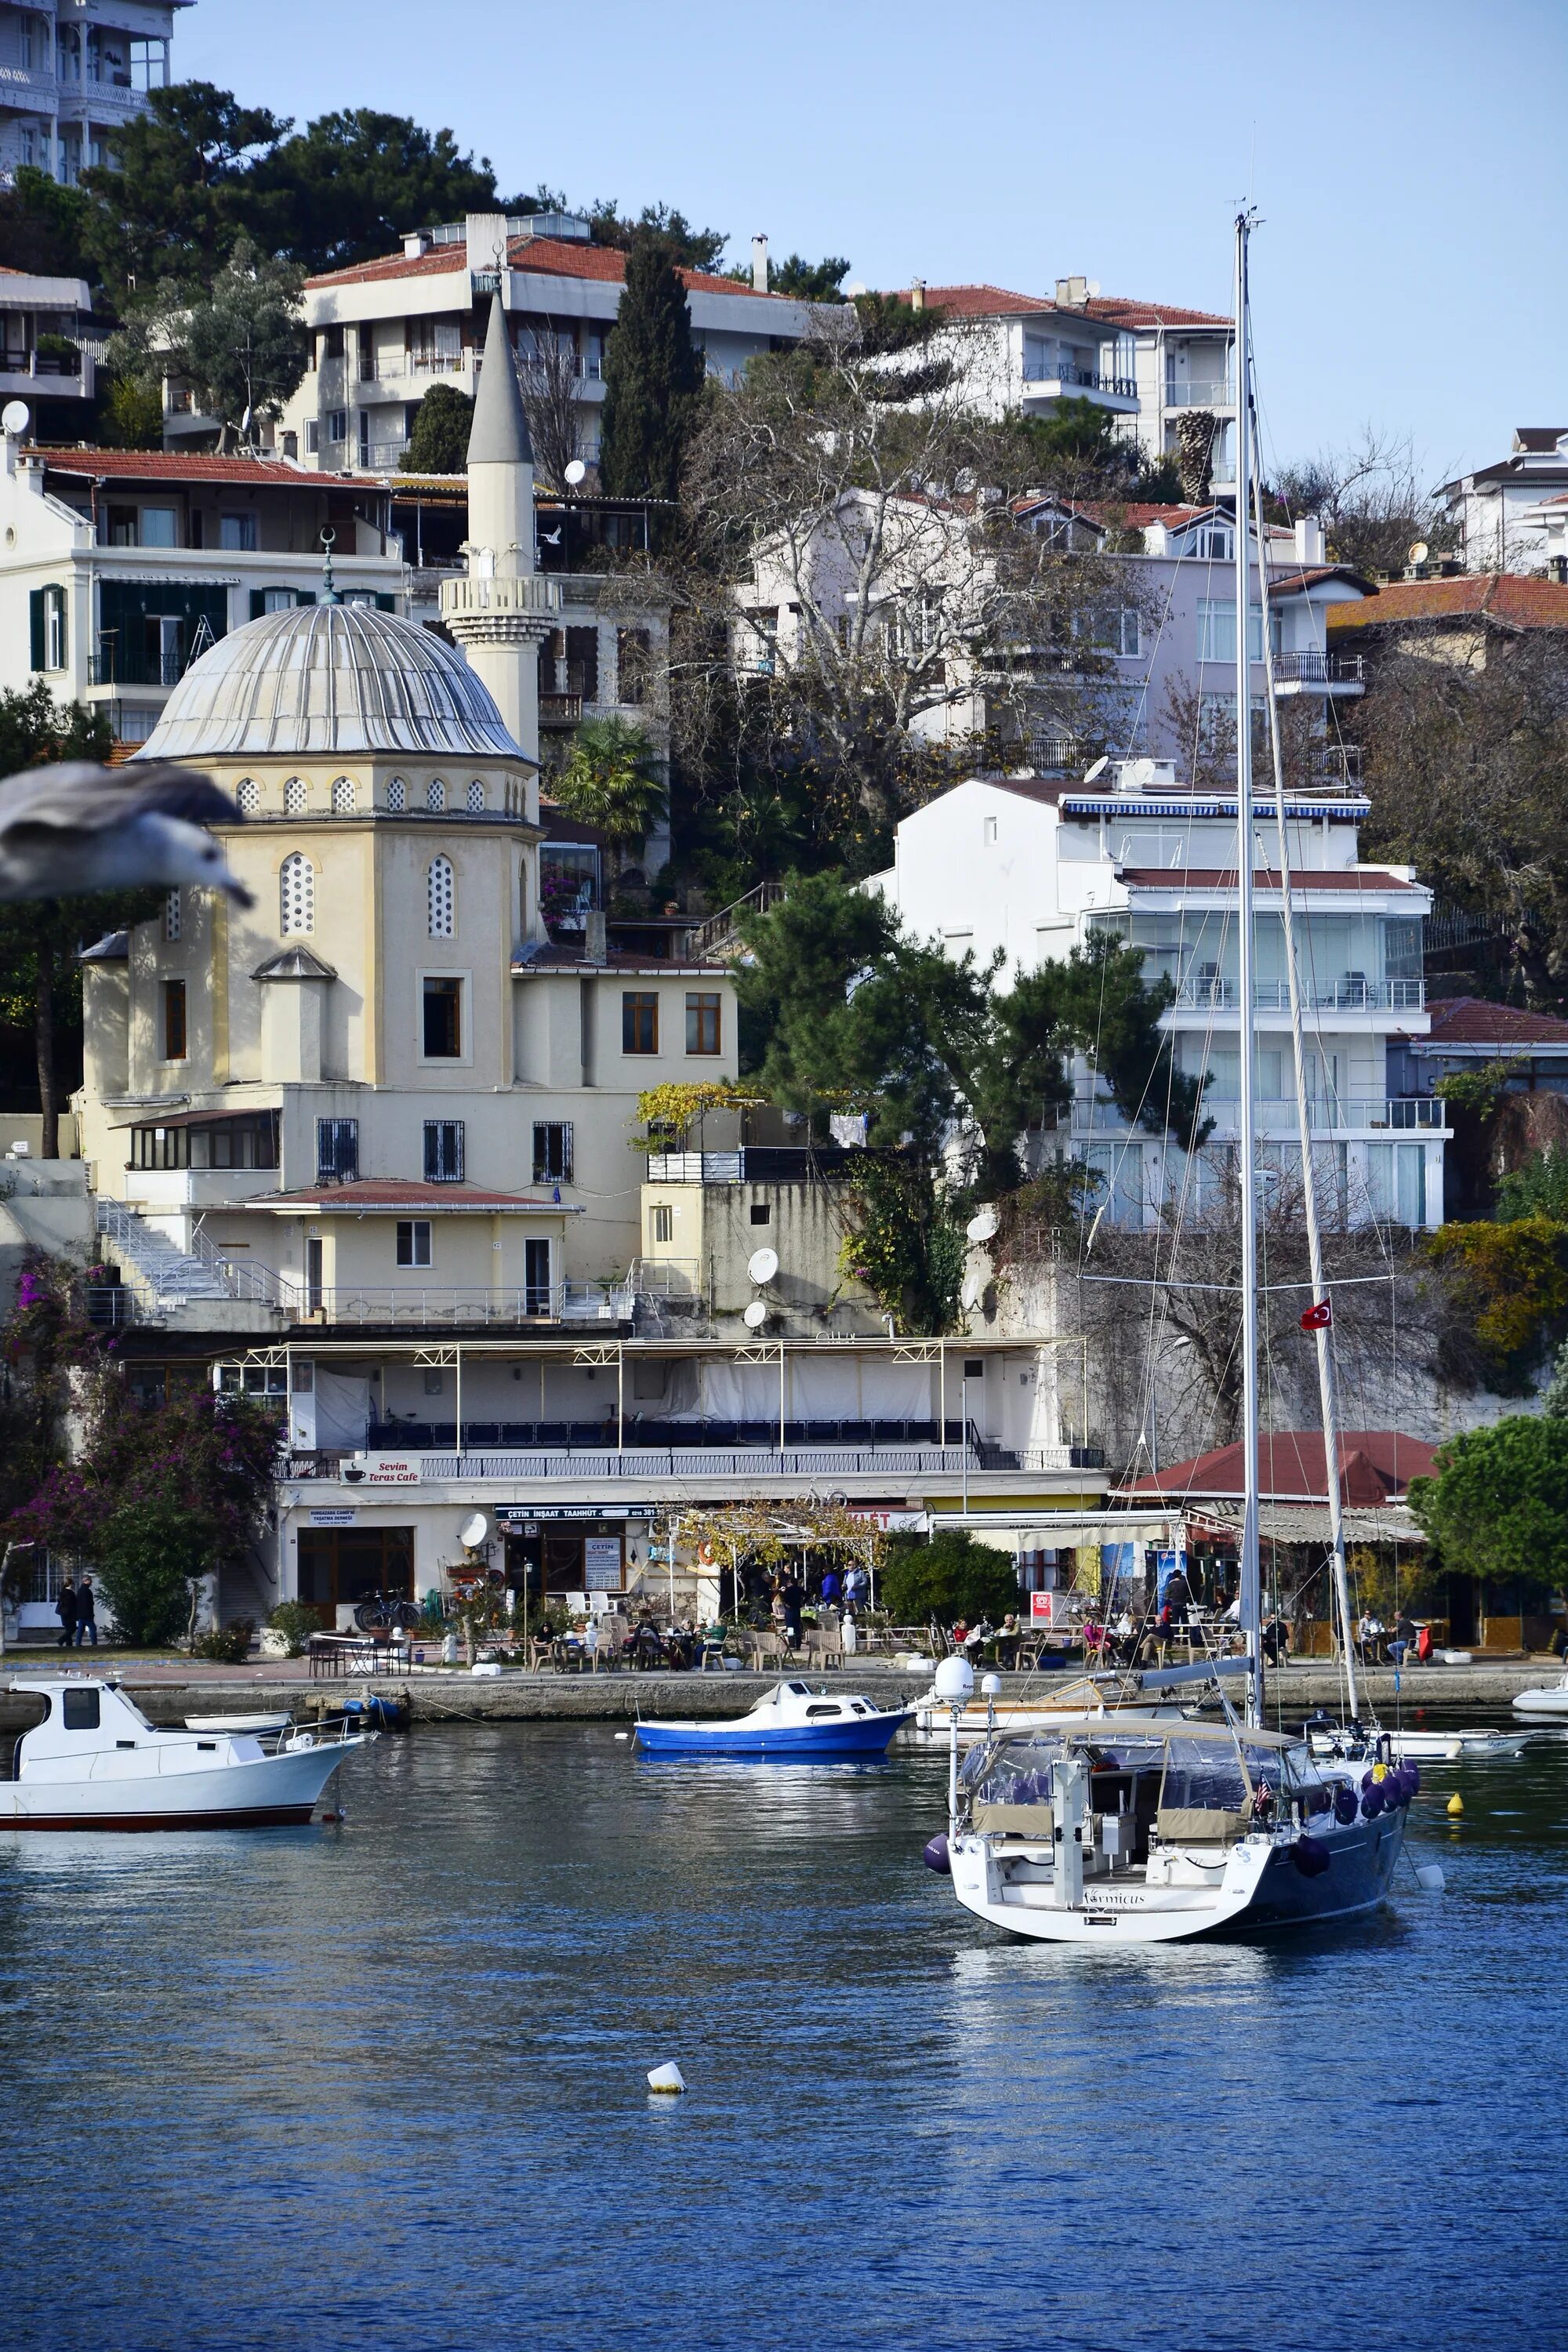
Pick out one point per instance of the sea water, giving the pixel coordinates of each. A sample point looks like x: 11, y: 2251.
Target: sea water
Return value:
x: 383, y: 2084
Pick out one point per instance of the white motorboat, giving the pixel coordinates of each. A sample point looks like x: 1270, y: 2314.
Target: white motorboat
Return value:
x: 94, y: 1762
x: 1550, y: 1703
x: 1109, y: 1834
x: 1472, y: 1743
x: 791, y: 1721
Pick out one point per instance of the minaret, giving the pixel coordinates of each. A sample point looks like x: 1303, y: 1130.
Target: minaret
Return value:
x: 502, y: 610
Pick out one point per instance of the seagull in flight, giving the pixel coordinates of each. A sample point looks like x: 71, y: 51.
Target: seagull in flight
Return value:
x: 75, y: 827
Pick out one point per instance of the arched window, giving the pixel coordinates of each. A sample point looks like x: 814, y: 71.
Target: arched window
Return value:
x: 297, y: 888
x: 442, y: 898
x: 476, y: 798
x: 248, y: 794
x: 397, y: 796
x: 342, y: 795
x: 436, y: 796
x: 294, y: 796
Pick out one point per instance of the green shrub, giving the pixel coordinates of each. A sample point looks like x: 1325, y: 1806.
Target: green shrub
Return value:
x: 230, y: 1644
x: 298, y: 1620
x: 950, y: 1577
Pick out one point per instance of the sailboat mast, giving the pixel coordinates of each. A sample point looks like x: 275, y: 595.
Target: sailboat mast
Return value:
x: 1249, y: 1599
x: 1321, y: 1333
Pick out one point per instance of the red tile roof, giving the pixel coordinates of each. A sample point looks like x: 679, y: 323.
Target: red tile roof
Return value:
x: 385, y: 1194
x: 173, y: 466
x: 1121, y: 311
x: 546, y: 256
x: 1309, y: 878
x: 1470, y: 1021
x: 1376, y: 1466
x: 1106, y: 310
x: 1511, y: 598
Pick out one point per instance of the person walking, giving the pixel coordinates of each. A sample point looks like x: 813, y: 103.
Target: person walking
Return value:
x: 86, y: 1613
x: 65, y: 1610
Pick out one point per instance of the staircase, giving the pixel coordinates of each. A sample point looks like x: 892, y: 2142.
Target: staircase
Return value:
x: 165, y: 1276
x: 718, y: 940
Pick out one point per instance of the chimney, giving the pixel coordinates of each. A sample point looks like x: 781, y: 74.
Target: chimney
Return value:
x: 759, y: 265
x: 918, y: 295
x: 1310, y: 547
x: 1072, y: 293
x: 417, y: 242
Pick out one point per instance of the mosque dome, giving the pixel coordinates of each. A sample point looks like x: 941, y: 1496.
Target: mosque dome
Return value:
x: 325, y: 679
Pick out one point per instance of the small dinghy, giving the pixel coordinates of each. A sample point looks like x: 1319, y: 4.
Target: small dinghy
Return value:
x: 94, y: 1762
x: 1550, y: 1703
x: 207, y: 1724
x: 791, y: 1720
x: 1356, y: 1744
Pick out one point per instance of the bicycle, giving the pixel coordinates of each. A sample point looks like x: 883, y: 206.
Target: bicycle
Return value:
x: 379, y: 1613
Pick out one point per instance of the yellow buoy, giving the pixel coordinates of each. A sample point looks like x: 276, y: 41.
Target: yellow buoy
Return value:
x: 1456, y: 1806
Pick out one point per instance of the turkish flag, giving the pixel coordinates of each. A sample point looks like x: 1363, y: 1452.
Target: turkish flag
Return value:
x: 1319, y: 1317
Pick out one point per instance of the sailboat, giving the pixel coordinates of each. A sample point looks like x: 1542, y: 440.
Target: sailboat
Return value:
x: 1109, y: 1832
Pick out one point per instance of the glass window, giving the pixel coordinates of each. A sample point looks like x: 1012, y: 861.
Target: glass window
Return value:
x: 443, y: 1152
x: 80, y: 1710
x: 413, y: 1240
x: 396, y: 796
x: 337, y: 1151
x: 297, y: 888
x: 639, y: 1022
x: 160, y: 526
x: 173, y: 1021
x: 661, y: 1223
x: 476, y: 798
x: 435, y: 795
x: 237, y: 533
x: 294, y: 796
x: 441, y: 898
x: 337, y: 424
x: 702, y: 1023
x: 443, y: 1022
x: 342, y: 795
x: 1216, y: 631
x: 248, y: 794
x: 553, y: 1152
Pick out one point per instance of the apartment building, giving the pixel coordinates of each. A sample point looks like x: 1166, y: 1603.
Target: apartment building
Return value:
x: 1508, y: 515
x: 119, y: 567
x: 71, y: 76
x: 1032, y: 866
x: 45, y: 349
x: 382, y: 333
x: 1148, y: 364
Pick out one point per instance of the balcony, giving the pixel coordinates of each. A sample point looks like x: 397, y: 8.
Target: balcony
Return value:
x: 1062, y: 378
x: 1350, y: 994
x: 620, y: 1448
x: 757, y: 1163
x: 1277, y: 1120
x: 421, y: 1307
x: 383, y: 456
x: 560, y: 710
x: 1315, y: 673
x: 1196, y: 395
x: 135, y: 666
x: 402, y: 367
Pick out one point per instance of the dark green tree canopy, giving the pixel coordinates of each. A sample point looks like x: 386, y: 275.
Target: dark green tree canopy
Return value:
x: 347, y: 187
x: 44, y: 227
x: 440, y: 441
x: 1499, y: 1504
x: 950, y: 1577
x: 688, y: 247
x: 810, y: 281
x: 181, y: 189
x: 654, y: 375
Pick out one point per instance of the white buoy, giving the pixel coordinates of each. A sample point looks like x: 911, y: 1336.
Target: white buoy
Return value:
x: 1431, y: 1878
x: 666, y: 2078
x: 622, y: 1734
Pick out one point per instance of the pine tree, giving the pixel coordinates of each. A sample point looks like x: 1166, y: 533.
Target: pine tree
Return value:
x: 653, y: 379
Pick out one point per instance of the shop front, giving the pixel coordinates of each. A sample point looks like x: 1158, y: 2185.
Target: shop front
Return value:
x: 351, y: 1564
x: 555, y: 1555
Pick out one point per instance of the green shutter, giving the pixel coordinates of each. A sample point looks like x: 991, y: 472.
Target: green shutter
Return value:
x: 65, y: 627
x: 258, y: 603
x: 35, y: 620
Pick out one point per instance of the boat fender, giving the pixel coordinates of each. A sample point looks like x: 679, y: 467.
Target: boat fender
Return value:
x: 1413, y: 1777
x: 1346, y: 1806
x: 1372, y: 1804
x: 935, y: 1856
x: 1310, y: 1857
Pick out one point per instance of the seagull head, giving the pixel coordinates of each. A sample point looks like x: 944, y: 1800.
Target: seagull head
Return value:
x: 168, y: 850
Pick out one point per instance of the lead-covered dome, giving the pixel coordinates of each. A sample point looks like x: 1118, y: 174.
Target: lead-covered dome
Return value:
x: 328, y: 678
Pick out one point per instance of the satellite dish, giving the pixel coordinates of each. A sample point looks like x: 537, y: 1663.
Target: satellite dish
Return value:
x: 575, y: 473
x: 1420, y: 552
x: 473, y: 1531
x: 1099, y: 768
x: 982, y: 1226
x: 763, y: 1264
x: 16, y: 417
x: 757, y: 1315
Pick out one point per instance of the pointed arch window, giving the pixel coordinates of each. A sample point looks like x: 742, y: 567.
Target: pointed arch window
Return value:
x: 296, y: 885
x: 443, y: 899
x: 248, y: 793
x: 294, y: 796
x: 435, y: 795
x: 476, y: 798
x: 396, y: 796
x: 342, y: 795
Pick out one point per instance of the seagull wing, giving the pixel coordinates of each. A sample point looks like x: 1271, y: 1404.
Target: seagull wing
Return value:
x: 79, y: 797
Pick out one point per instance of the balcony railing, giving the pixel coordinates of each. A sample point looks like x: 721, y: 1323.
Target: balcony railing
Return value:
x: 29, y: 363
x: 1276, y: 1118
x: 1123, y: 387
x: 1351, y: 994
x: 1335, y: 767
x: 420, y: 1305
x: 397, y: 367
x: 1199, y: 395
x: 1319, y: 669
x: 560, y: 710
x: 383, y: 456
x: 134, y: 668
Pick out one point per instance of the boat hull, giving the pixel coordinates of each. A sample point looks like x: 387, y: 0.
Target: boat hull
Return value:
x: 1551, y: 1704
x: 860, y: 1736
x: 1255, y: 1888
x: 266, y: 1792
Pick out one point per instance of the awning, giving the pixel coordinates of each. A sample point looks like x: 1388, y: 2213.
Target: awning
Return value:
x: 163, y: 1120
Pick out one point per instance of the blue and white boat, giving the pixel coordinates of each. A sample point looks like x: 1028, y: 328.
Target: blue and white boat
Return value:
x: 791, y: 1721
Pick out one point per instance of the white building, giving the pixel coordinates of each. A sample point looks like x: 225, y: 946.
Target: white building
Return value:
x: 384, y: 331
x: 1497, y: 510
x: 71, y: 76
x: 43, y: 324
x: 1148, y: 363
x: 1031, y: 867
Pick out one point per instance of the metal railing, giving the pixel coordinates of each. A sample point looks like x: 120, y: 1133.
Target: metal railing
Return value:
x: 647, y: 1462
x: 717, y: 932
x: 450, y: 1304
x: 1056, y: 751
x: 560, y: 710
x: 29, y: 363
x: 1335, y: 768
x: 399, y: 366
x: 1319, y: 669
x: 384, y: 457
x: 1199, y: 395
x: 1351, y: 994
x: 1123, y: 387
x: 1330, y: 1116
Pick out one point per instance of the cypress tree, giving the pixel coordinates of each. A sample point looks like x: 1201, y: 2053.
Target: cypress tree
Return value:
x: 653, y: 379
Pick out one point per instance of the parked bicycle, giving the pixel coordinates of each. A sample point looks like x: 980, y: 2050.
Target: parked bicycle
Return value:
x: 380, y: 1613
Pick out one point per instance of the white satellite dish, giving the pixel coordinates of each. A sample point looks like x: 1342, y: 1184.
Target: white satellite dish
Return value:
x: 982, y: 1226
x: 1420, y: 552
x: 15, y: 418
x: 763, y: 1264
x: 1099, y: 768
x: 473, y: 1531
x: 757, y: 1315
x: 575, y: 472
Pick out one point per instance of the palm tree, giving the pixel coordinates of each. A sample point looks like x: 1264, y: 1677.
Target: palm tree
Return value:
x: 611, y: 780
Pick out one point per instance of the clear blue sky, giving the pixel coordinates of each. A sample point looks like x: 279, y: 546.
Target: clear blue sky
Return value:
x: 1405, y: 156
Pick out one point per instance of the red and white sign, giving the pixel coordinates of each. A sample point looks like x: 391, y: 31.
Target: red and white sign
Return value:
x: 392, y: 1470
x: 1042, y: 1608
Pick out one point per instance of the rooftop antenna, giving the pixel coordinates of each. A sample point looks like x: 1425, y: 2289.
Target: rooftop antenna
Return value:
x: 329, y: 595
